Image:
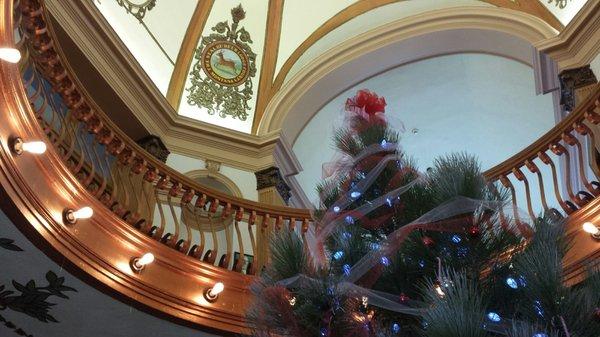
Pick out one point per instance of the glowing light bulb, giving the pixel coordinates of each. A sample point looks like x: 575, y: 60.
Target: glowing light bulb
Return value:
x: 38, y: 147
x: 214, y: 292
x: 494, y: 317
x: 83, y: 213
x: 71, y: 216
x: 589, y: 227
x: 146, y: 259
x: 11, y: 55
x: 35, y: 147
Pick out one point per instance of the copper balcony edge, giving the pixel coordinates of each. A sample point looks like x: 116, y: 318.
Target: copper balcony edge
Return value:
x: 542, y: 143
x: 41, y: 187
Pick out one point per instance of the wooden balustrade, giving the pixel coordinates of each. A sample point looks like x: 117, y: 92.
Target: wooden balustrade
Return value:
x: 562, y: 143
x: 126, y: 179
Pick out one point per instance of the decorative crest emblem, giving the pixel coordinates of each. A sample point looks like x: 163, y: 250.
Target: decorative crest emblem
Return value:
x: 222, y: 74
x: 559, y: 3
x: 137, y: 8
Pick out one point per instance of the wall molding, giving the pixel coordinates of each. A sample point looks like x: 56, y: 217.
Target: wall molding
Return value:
x: 577, y: 45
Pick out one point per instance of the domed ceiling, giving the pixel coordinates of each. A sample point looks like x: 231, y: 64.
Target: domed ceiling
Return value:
x: 221, y: 61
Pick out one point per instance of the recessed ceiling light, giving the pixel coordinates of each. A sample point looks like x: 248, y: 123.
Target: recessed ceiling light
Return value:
x: 415, y: 131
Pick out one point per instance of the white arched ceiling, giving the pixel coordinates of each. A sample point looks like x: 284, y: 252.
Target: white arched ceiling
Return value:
x: 478, y: 103
x: 454, y: 30
x: 371, y: 19
x: 156, y: 63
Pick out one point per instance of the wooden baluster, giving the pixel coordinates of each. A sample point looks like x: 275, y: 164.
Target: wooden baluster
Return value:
x: 292, y: 224
x: 197, y: 250
x: 251, y: 221
x: 171, y: 239
x: 224, y: 261
x: 521, y: 177
x: 534, y: 169
x: 157, y: 233
x: 572, y: 141
x: 279, y: 223
x: 239, y: 263
x: 567, y: 207
x: 506, y: 183
x: 559, y: 150
x: 304, y: 229
x: 184, y: 245
x: 211, y: 254
x: 584, y: 130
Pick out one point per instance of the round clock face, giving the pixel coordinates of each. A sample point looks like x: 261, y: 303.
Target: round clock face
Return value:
x: 225, y: 63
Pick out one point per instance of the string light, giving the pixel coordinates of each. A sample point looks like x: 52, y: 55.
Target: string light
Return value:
x: 511, y: 282
x: 395, y: 328
x: 338, y: 255
x: 592, y: 229
x: 139, y: 263
x: 292, y: 301
x: 494, y: 317
x: 35, y: 147
x: 71, y: 216
x: 11, y: 55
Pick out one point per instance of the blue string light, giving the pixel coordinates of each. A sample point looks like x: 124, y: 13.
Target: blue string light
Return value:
x: 456, y: 239
x: 349, y: 220
x: 494, y: 317
x: 511, y: 282
x: 385, y: 261
x: 338, y: 255
x: 346, y: 269
x: 395, y: 328
x: 355, y: 194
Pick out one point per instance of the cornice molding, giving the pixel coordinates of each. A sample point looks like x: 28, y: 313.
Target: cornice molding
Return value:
x: 578, y: 44
x: 184, y: 135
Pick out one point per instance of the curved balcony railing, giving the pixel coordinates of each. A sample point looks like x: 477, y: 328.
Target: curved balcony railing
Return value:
x: 140, y: 189
x: 143, y: 205
x: 562, y: 143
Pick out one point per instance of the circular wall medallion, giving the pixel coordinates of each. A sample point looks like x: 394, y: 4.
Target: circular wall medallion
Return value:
x: 225, y: 63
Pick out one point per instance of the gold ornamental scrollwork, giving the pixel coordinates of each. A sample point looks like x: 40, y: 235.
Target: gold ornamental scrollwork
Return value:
x: 137, y: 8
x: 222, y: 73
x: 559, y: 3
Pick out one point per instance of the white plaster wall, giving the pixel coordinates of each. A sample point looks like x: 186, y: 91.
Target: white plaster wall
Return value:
x: 300, y: 19
x: 481, y: 104
x: 245, y: 180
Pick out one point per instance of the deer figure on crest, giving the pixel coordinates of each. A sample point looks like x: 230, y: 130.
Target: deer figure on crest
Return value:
x: 225, y: 63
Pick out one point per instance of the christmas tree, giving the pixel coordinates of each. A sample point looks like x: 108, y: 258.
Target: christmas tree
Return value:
x: 397, y: 252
